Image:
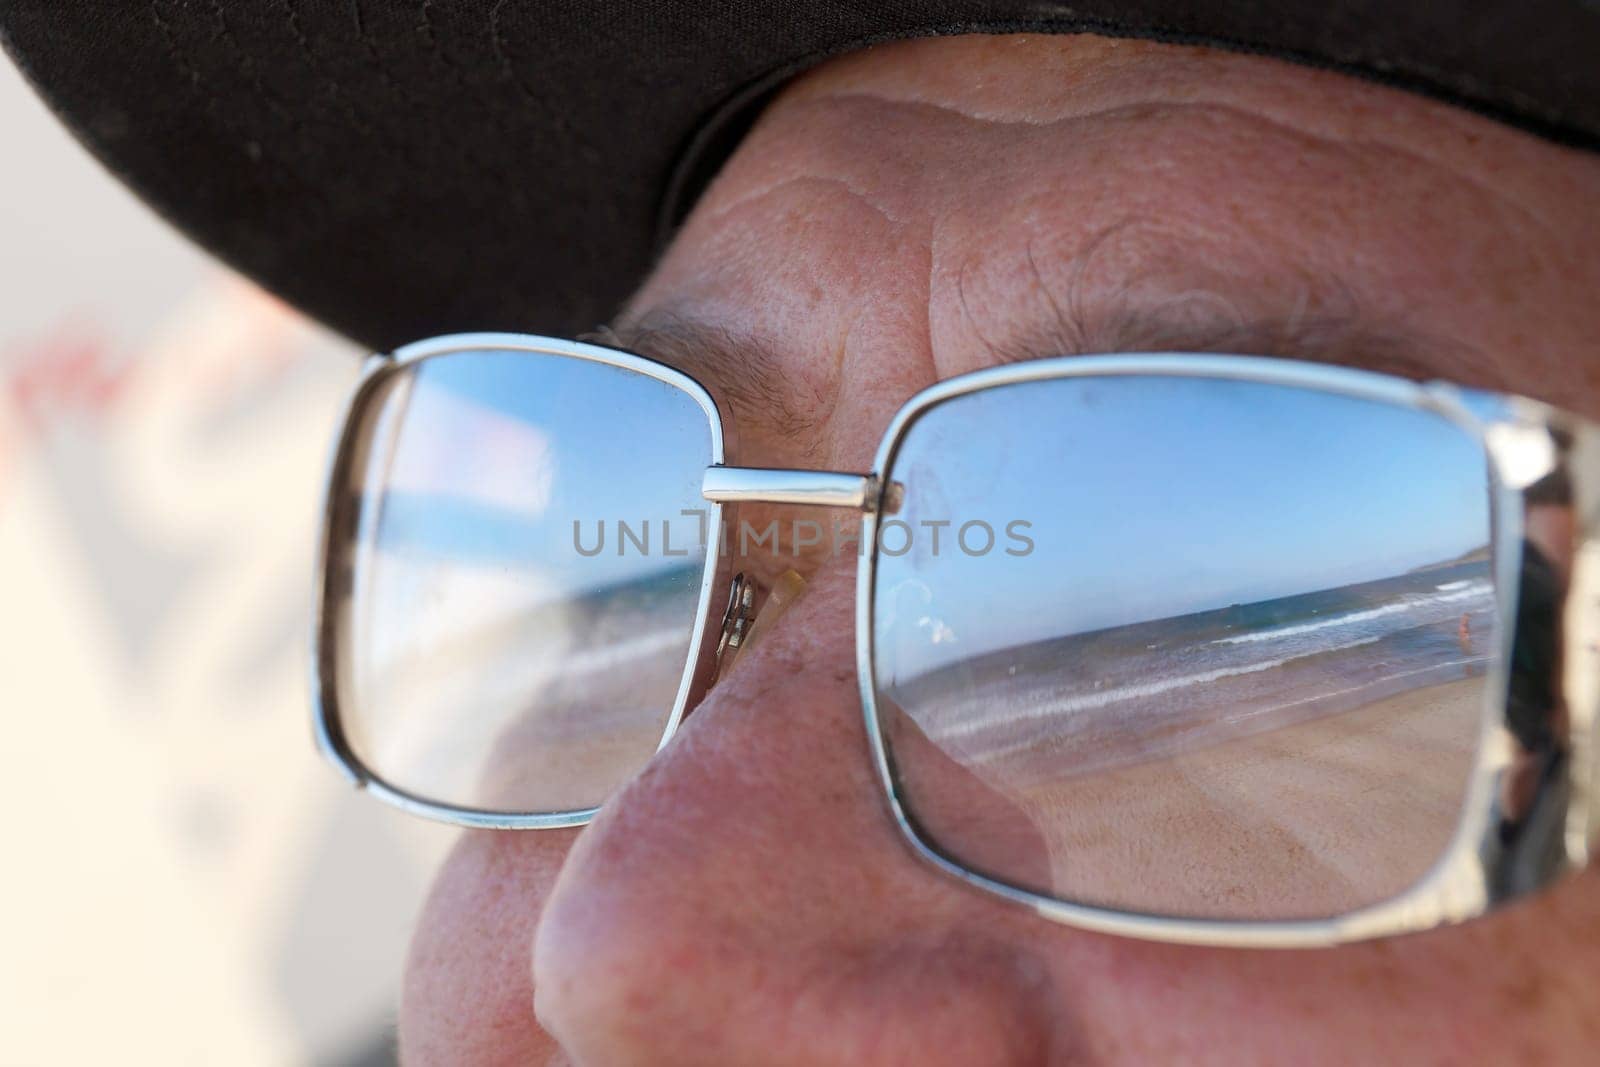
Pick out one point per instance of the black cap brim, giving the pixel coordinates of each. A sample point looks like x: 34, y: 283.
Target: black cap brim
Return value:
x: 399, y: 170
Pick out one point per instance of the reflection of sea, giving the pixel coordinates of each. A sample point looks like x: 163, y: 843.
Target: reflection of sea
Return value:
x: 1130, y: 693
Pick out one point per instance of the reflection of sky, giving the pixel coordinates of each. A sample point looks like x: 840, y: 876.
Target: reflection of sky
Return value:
x: 1153, y: 497
x: 486, y: 461
x: 472, y: 610
x: 499, y: 454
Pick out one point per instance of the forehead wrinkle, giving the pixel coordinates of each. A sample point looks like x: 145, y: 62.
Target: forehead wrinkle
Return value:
x: 1191, y: 119
x: 793, y: 182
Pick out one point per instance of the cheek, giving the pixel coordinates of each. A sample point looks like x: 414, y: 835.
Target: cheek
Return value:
x: 1515, y: 987
x: 468, y: 995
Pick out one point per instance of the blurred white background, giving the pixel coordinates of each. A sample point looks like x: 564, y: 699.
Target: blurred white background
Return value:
x: 184, y: 881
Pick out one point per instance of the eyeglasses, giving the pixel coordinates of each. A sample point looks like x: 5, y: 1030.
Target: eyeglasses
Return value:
x: 1206, y: 649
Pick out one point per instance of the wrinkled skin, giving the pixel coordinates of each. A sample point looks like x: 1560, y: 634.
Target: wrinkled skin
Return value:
x: 914, y: 212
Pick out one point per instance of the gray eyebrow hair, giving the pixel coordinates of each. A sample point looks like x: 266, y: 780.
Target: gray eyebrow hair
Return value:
x: 748, y: 373
x: 1328, y: 323
x: 745, y: 373
x: 1343, y: 339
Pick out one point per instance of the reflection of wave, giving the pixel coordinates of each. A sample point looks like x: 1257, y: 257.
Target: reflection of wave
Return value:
x: 1334, y: 700
x: 1455, y: 592
x: 1053, y: 704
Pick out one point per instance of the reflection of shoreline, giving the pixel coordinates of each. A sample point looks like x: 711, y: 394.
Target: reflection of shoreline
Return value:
x: 1042, y: 754
x: 1139, y: 692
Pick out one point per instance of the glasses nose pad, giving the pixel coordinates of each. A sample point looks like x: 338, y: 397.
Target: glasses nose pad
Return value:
x: 752, y: 611
x: 736, y: 620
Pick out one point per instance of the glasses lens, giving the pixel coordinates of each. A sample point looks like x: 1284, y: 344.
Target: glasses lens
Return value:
x: 1187, y: 646
x: 524, y: 572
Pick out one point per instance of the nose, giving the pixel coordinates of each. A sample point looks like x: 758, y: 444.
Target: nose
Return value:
x: 746, y: 898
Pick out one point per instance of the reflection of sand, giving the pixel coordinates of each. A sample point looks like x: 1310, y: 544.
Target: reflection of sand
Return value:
x: 543, y: 711
x: 1310, y: 819
x: 582, y: 738
x: 1314, y: 818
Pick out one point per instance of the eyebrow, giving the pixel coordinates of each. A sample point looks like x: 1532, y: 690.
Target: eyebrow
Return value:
x: 1346, y: 338
x: 748, y: 372
x: 744, y: 372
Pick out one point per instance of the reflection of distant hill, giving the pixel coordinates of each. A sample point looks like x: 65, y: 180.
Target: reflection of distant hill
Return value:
x: 1475, y: 555
x: 646, y: 591
x: 614, y: 611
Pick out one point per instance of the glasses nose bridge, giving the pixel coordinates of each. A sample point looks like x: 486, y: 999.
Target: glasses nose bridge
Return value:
x: 772, y: 485
x: 775, y: 525
x: 754, y: 605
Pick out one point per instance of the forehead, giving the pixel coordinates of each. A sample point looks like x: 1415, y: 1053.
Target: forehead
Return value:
x: 917, y: 211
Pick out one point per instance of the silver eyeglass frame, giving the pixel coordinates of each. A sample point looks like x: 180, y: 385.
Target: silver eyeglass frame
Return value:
x: 332, y: 596
x: 1523, y: 441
